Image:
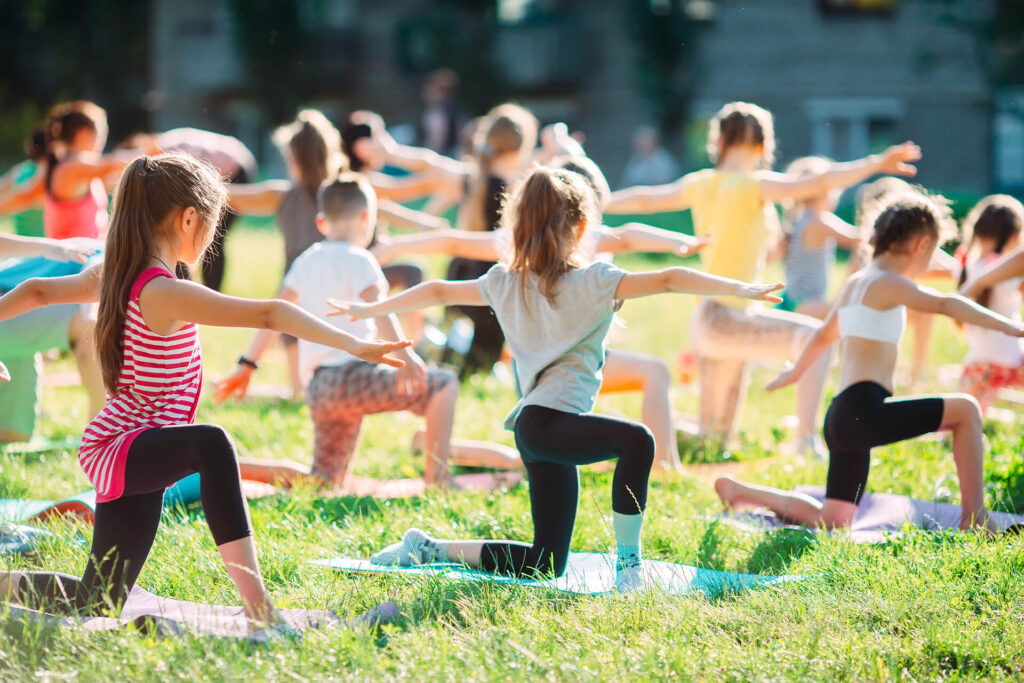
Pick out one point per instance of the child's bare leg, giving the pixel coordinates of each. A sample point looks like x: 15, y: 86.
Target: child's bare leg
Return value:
x: 922, y: 324
x: 440, y: 415
x: 281, y: 472
x: 962, y: 415
x: 239, y: 558
x: 723, y: 387
x: 788, y: 505
x: 469, y: 453
x: 809, y: 391
x: 291, y: 351
x: 657, y: 403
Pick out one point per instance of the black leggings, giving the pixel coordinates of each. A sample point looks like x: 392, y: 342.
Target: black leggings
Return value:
x: 125, y: 527
x: 865, y: 415
x: 552, y: 443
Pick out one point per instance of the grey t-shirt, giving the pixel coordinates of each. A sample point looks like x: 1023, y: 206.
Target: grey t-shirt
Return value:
x: 558, y: 350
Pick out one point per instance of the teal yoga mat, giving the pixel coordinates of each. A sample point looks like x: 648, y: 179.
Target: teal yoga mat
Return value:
x: 587, y: 574
x: 83, y: 505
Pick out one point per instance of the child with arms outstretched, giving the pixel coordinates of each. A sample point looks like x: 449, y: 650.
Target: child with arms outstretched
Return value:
x: 555, y: 314
x: 868, y: 321
x: 339, y: 388
x: 145, y: 439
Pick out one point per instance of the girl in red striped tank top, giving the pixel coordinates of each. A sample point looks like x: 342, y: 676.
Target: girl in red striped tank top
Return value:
x: 145, y: 438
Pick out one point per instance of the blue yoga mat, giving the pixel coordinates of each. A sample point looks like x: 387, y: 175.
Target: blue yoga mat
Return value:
x: 587, y: 574
x: 183, y: 493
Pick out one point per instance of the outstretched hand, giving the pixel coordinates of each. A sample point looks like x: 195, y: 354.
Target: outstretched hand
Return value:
x: 377, y: 352
x: 898, y: 160
x: 762, y: 292
x: 70, y: 252
x: 783, y: 380
x: 5, y: 375
x: 354, y: 309
x: 696, y: 245
x: 237, y: 385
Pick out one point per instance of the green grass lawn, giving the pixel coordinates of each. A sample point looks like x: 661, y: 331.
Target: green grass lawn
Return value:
x: 923, y: 608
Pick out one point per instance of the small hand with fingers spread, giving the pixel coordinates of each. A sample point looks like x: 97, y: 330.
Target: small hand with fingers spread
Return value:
x: 377, y: 351
x: 761, y: 292
x: 69, y: 252
x: 354, y: 309
x: 237, y: 385
x: 783, y: 380
x: 898, y: 160
x: 695, y: 246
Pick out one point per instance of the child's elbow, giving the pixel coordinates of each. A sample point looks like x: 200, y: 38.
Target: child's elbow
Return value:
x: 271, y: 314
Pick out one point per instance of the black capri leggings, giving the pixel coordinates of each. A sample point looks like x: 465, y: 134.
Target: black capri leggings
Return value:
x: 125, y: 527
x: 865, y: 415
x: 552, y: 443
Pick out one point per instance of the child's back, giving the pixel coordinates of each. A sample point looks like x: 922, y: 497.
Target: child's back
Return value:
x: 558, y: 347
x: 338, y: 269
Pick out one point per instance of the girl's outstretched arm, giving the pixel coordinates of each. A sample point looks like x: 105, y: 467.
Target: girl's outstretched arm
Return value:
x: 897, y: 160
x: 926, y: 300
x: 19, y: 246
x: 820, y: 341
x: 425, y: 295
x: 482, y: 246
x: 827, y: 225
x: 405, y: 217
x: 647, y: 238
x: 166, y: 303
x: 688, y: 281
x: 1009, y: 266
x: 83, y: 288
x: 24, y: 196
x: 257, y: 199
x: 649, y: 198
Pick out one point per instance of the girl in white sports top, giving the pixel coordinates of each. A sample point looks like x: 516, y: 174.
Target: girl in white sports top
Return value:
x: 868, y: 321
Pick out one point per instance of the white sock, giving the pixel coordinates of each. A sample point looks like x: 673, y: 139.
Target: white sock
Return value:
x: 627, y: 539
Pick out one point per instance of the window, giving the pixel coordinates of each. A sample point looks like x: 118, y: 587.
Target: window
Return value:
x: 855, y: 7
x: 852, y: 127
x: 1008, y: 138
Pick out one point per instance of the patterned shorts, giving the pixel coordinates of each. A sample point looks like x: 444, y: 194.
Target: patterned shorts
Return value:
x: 982, y: 378
x: 340, y: 396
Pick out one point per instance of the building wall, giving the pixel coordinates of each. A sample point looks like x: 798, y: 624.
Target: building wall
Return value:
x: 919, y: 72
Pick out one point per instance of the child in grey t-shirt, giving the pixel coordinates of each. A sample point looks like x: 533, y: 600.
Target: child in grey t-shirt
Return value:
x: 555, y: 315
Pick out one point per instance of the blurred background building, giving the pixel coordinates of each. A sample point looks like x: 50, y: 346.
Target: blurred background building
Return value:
x: 843, y: 77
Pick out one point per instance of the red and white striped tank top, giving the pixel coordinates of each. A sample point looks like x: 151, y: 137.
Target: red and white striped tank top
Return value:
x: 159, y: 386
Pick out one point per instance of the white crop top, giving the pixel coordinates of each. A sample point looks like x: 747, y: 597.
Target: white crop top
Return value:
x: 858, y: 320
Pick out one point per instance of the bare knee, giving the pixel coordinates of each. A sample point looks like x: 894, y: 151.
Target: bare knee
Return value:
x: 961, y: 411
x: 837, y: 514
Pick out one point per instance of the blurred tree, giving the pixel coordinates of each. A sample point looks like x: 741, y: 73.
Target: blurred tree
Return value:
x: 664, y: 32
x: 54, y: 50
x: 459, y: 35
x: 1008, y: 31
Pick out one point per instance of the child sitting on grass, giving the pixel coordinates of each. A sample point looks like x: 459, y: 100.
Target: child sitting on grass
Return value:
x: 868, y: 321
x: 339, y: 388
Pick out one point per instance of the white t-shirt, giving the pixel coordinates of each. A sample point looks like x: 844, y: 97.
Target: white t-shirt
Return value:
x: 989, y: 346
x: 339, y: 270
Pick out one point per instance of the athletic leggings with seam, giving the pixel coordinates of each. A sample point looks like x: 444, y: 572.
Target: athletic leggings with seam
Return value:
x: 126, y: 527
x: 552, y: 444
x: 865, y: 415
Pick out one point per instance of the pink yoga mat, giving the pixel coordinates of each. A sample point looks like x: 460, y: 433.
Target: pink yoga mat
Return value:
x: 178, y: 617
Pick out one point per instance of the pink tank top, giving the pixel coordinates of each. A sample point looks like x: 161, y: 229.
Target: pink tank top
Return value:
x: 85, y: 217
x: 158, y: 386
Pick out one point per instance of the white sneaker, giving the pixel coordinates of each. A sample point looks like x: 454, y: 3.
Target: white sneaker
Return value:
x: 630, y: 580
x: 416, y: 547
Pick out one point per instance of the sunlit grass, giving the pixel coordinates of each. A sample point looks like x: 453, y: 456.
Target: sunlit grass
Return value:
x: 923, y: 608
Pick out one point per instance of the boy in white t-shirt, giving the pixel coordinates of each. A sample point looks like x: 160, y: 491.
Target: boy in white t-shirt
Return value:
x: 341, y: 389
